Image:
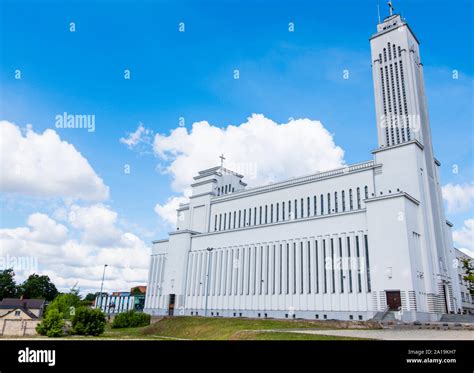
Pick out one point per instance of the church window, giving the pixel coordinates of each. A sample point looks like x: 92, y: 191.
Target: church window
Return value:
x: 280, y: 265
x: 366, y: 192
x: 322, y: 204
x: 333, y: 274
x: 240, y: 216
x: 271, y: 213
x: 350, y: 263
x: 260, y: 215
x: 225, y: 220
x: 329, y: 203
x: 308, y: 206
x: 309, y: 266
x: 343, y: 197
x: 277, y: 212
x: 289, y: 211
x: 244, y: 223
x: 340, y: 265
x: 335, y: 202
x: 283, y: 211
x: 358, y: 198
x: 266, y: 214
x: 359, y: 274
x: 367, y: 264
x: 316, y: 258
x: 351, y: 204
x: 315, y: 205
x: 234, y: 219
x: 215, y: 222
x: 220, y: 221
x: 301, y: 268
x: 325, y: 282
x: 225, y: 190
x: 296, y: 210
x: 287, y: 268
x: 302, y: 208
x: 294, y: 267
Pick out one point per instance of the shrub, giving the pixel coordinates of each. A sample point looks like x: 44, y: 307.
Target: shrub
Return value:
x: 52, y: 324
x: 87, y: 321
x: 131, y: 319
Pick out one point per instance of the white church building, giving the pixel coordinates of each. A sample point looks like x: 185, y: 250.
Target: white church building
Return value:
x: 348, y: 243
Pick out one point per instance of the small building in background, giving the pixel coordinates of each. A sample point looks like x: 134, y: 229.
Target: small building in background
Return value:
x: 467, y: 299
x: 14, y: 308
x: 121, y: 301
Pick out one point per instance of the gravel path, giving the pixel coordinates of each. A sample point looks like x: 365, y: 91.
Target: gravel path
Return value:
x: 389, y: 334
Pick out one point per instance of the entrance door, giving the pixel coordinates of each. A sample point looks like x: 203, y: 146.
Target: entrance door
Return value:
x: 394, y: 301
x: 171, y: 304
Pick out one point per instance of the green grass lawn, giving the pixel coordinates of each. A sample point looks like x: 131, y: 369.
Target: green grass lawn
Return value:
x: 207, y: 328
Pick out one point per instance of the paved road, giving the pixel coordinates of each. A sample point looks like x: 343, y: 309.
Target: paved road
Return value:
x: 389, y: 334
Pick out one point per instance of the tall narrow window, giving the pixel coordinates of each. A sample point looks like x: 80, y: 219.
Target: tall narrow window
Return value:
x: 351, y: 204
x: 296, y: 209
x: 249, y: 269
x: 290, y: 216
x: 271, y: 213
x: 333, y: 275
x: 240, y: 215
x: 254, y: 216
x: 225, y: 220
x: 329, y: 203
x: 301, y: 278
x: 266, y: 214
x: 322, y: 204
x: 308, y: 207
x: 277, y: 212
x: 340, y: 265
x: 215, y: 222
x: 229, y: 220
x: 294, y: 267
x: 366, y: 192
x: 250, y: 216
x: 273, y: 269
x: 309, y: 266
x: 358, y: 198
x: 367, y: 264
x: 220, y: 221
x: 315, y: 205
x: 260, y: 215
x: 302, y: 208
x: 359, y: 274
x: 325, y: 281
x: 316, y: 265
x: 283, y: 211
x: 287, y: 268
x: 349, y: 259
x: 280, y: 265
x: 245, y: 218
x: 343, y: 197
x: 335, y: 202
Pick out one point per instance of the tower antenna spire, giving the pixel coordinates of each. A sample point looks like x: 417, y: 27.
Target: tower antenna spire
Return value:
x: 390, y: 5
x: 378, y: 12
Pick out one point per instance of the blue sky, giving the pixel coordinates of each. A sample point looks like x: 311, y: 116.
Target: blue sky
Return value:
x: 190, y: 75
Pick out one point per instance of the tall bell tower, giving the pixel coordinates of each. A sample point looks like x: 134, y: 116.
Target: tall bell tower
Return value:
x: 406, y: 152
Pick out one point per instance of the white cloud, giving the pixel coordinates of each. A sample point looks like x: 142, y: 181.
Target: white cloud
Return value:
x: 459, y: 197
x: 167, y: 211
x: 77, y: 254
x: 264, y: 151
x: 464, y: 238
x: 141, y: 136
x: 96, y: 222
x: 43, y: 165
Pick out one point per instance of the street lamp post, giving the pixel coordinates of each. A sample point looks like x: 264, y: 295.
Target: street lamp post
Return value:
x: 101, y: 286
x: 209, y: 249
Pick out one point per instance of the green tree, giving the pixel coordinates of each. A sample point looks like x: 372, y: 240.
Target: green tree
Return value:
x: 8, y: 288
x: 469, y: 276
x: 88, y: 321
x: 66, y: 304
x: 36, y: 286
x: 52, y: 324
x: 90, y: 297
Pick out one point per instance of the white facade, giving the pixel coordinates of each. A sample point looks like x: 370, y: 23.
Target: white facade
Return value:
x: 276, y: 250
